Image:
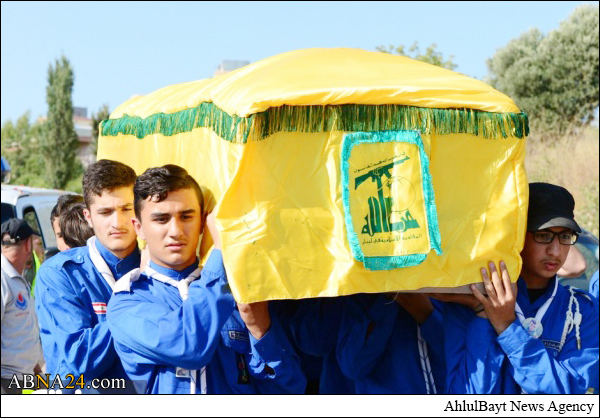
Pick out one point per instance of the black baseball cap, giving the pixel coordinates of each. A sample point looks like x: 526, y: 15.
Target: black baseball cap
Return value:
x: 17, y: 230
x: 550, y: 206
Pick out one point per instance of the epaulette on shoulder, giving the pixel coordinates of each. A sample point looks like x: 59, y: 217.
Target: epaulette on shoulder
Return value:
x: 74, y: 255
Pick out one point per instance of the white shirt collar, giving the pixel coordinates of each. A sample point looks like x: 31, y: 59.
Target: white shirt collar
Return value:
x: 8, y: 268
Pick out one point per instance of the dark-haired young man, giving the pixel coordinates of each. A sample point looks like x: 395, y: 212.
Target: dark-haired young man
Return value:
x: 543, y: 339
x: 75, y: 286
x: 74, y: 227
x: 176, y: 326
x: 63, y: 203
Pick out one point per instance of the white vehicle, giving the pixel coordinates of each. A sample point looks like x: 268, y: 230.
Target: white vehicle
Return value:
x: 34, y: 205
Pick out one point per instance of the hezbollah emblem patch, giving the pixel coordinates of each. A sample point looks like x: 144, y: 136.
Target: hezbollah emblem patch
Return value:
x: 389, y: 204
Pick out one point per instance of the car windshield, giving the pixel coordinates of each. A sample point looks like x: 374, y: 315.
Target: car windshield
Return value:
x: 8, y: 211
x: 587, y: 244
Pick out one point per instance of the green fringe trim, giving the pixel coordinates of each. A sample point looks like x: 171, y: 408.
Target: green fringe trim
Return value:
x: 206, y: 115
x: 347, y: 118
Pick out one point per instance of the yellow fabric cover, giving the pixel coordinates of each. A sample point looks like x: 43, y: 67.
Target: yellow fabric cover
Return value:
x: 325, y: 76
x: 279, y: 199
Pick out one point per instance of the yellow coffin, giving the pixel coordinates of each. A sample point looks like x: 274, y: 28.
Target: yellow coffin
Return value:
x: 339, y: 171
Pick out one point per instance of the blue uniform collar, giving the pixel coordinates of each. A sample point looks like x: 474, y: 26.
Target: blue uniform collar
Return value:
x: 174, y: 274
x: 523, y: 296
x: 117, y: 266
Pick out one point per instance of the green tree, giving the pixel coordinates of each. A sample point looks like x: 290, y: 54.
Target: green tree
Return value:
x: 431, y: 55
x: 21, y: 146
x: 553, y: 78
x: 103, y: 113
x: 60, y: 140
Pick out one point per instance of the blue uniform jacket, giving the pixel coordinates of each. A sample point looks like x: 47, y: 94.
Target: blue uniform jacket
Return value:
x: 377, y: 347
x: 594, y: 285
x: 482, y: 362
x: 155, y: 332
x: 315, y: 326
x: 74, y: 332
x: 311, y: 365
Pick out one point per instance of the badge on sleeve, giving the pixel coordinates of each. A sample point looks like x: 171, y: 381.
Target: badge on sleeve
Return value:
x: 243, y: 370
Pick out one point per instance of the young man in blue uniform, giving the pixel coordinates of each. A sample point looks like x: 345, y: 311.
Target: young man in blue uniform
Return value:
x: 177, y: 327
x: 63, y: 203
x: 391, y: 344
x: 535, y: 336
x: 74, y: 287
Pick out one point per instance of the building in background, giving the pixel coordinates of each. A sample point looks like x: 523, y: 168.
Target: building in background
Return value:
x: 83, y: 128
x: 229, y: 65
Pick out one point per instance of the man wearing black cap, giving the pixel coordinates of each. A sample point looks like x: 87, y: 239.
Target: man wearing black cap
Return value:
x: 21, y: 347
x: 535, y: 336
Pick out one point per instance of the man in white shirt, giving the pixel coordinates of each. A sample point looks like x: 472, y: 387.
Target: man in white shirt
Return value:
x: 21, y: 347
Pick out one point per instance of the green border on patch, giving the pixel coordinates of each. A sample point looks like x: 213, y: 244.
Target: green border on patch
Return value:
x: 391, y: 262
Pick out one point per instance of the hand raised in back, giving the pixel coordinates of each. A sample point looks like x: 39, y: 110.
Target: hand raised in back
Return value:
x: 256, y: 317
x: 212, y: 229
x: 464, y: 299
x: 499, y: 305
x: 417, y: 305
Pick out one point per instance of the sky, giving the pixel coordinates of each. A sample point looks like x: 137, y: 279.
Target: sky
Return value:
x: 119, y: 49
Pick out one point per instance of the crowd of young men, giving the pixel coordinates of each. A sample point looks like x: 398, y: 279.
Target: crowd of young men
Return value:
x: 172, y: 326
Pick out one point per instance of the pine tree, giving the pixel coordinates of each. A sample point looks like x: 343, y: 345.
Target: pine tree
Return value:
x: 60, y: 141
